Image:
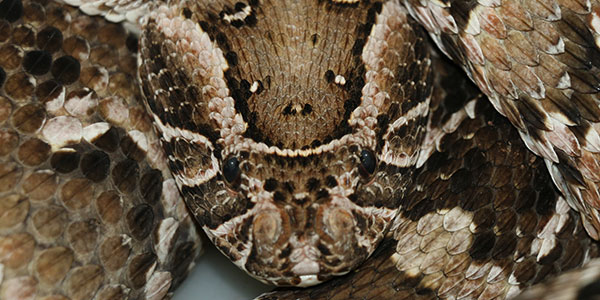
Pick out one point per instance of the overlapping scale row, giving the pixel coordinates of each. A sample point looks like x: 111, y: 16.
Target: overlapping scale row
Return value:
x: 87, y: 207
x: 538, y: 61
x: 482, y: 221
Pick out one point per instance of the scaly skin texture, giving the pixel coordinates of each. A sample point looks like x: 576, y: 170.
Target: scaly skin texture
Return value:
x: 298, y: 133
x: 88, y: 209
x: 538, y: 61
x: 483, y: 221
x: 298, y: 109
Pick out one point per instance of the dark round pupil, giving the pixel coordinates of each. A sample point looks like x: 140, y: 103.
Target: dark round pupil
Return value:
x: 231, y: 169
x: 367, y: 160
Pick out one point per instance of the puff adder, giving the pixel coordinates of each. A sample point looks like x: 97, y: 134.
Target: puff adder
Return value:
x: 314, y: 142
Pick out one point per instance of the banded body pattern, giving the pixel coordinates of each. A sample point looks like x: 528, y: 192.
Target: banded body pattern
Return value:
x: 88, y: 209
x: 538, y: 61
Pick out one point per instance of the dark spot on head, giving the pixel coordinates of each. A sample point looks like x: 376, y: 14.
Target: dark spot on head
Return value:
x: 244, y: 84
x: 239, y: 6
x: 251, y: 20
x: 232, y: 58
x: 95, y: 165
x: 288, y: 110
x: 307, y: 109
x: 237, y: 23
x: 221, y: 39
x: 270, y: 184
x: 329, y: 76
x: 64, y: 161
x: 289, y: 186
x: 314, y: 38
x: 315, y: 143
x: 322, y: 194
x: 204, y: 26
x: 373, y: 12
x: 301, y: 201
x: 187, y: 13
x: 278, y: 196
x: 482, y: 245
x: 260, y: 88
x: 312, y: 184
x: 330, y: 181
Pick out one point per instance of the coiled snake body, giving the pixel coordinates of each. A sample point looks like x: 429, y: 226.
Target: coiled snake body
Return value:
x: 313, y: 141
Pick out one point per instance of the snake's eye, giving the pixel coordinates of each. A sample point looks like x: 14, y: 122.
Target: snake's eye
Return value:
x: 367, y: 162
x: 231, y: 169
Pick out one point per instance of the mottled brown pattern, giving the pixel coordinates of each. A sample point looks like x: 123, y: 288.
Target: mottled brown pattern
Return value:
x: 82, y: 209
x: 297, y: 204
x: 78, y: 197
x: 474, y: 225
x: 538, y: 61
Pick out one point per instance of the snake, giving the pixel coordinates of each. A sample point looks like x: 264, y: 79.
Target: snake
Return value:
x: 337, y: 149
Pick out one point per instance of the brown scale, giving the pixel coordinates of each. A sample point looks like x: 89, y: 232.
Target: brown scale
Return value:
x: 76, y: 218
x: 475, y: 227
x: 538, y: 61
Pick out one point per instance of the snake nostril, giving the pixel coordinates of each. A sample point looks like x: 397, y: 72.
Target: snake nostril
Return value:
x: 231, y: 169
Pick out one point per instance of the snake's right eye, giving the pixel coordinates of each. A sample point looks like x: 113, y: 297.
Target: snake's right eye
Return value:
x: 368, y: 162
x: 231, y: 169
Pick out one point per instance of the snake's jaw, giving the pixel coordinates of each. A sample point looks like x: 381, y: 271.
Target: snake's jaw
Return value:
x: 302, y: 224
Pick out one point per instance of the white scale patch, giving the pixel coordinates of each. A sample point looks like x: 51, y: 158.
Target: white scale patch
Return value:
x: 158, y: 286
x: 94, y: 131
x: 165, y: 234
x: 139, y: 138
x: 61, y: 131
x: 238, y: 16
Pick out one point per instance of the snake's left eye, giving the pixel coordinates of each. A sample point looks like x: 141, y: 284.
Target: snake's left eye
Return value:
x: 368, y: 163
x: 231, y: 169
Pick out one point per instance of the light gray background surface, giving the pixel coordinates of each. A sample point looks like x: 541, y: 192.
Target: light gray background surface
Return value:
x: 216, y: 278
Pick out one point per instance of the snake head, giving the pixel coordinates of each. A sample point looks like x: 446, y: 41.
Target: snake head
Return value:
x: 290, y: 143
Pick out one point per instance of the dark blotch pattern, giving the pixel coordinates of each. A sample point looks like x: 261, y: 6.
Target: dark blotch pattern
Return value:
x: 66, y: 69
x: 65, y: 161
x: 37, y: 62
x: 125, y: 175
x: 49, y: 39
x: 151, y: 186
x: 95, y: 165
x: 11, y: 10
x: 140, y: 220
x: 2, y: 76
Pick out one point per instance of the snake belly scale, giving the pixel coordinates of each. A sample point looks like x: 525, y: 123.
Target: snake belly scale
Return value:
x: 313, y: 141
